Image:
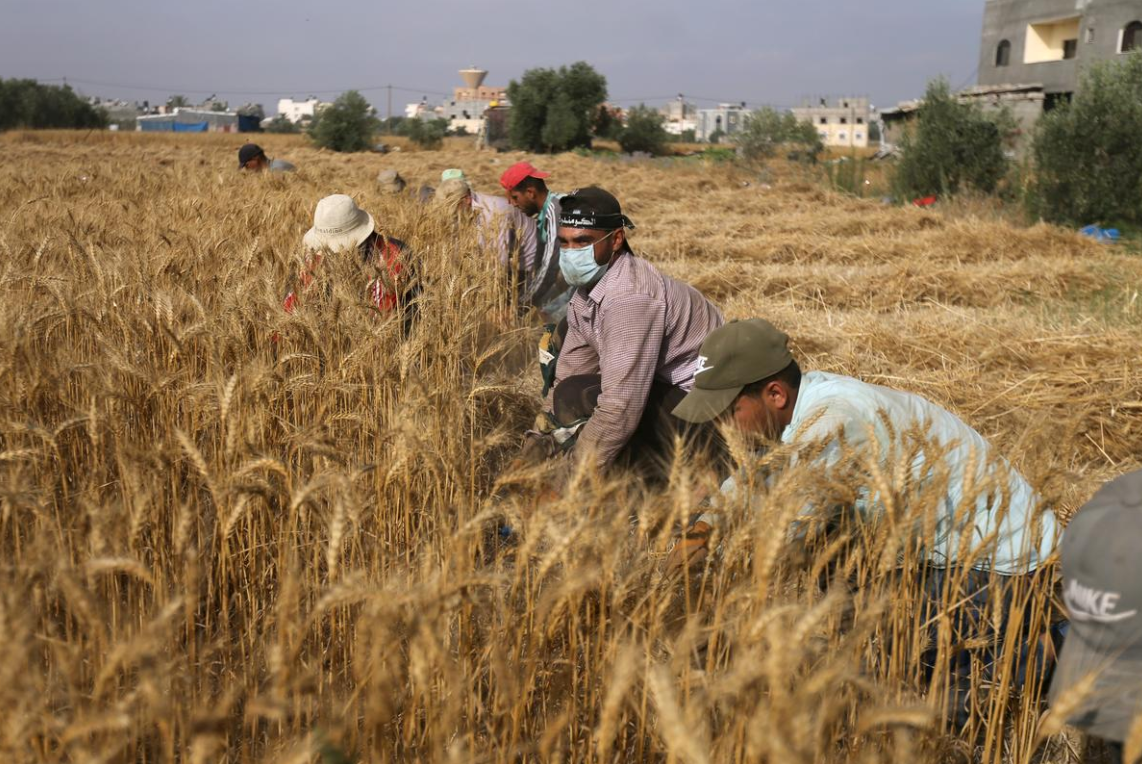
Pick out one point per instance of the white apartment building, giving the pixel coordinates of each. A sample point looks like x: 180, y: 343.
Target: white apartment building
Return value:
x: 300, y: 111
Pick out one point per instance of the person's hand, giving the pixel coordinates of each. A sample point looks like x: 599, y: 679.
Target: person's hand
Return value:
x: 691, y: 549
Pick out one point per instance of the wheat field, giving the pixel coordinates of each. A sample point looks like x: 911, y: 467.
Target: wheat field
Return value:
x: 229, y: 534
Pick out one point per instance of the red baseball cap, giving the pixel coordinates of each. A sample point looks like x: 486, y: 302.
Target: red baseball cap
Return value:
x: 515, y: 174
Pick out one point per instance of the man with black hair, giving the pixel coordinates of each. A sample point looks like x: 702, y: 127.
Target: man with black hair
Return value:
x: 527, y: 191
x: 252, y: 158
x: 986, y: 525
x: 632, y: 341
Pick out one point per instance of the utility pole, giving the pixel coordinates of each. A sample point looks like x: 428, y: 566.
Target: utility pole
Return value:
x: 390, y: 89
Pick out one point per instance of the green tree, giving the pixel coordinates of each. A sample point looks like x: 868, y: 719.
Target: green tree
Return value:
x: 1088, y: 156
x: 529, y: 99
x: 644, y: 132
x: 555, y: 110
x: 427, y: 134
x: 179, y: 101
x: 393, y: 125
x: 347, y: 124
x: 952, y: 146
x: 28, y: 104
x: 767, y: 130
x: 281, y: 124
x: 717, y: 135
x: 560, y: 127
x: 607, y: 123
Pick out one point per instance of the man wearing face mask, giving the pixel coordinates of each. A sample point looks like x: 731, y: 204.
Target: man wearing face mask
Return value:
x: 632, y: 340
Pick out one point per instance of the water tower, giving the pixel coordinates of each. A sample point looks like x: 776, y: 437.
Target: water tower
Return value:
x: 473, y: 78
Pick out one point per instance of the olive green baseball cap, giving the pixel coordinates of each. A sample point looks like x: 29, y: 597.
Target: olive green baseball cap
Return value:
x: 733, y: 356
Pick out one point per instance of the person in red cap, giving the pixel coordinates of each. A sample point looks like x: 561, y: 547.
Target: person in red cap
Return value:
x: 546, y: 288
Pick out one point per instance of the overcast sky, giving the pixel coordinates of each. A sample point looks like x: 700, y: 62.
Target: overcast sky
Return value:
x: 759, y: 51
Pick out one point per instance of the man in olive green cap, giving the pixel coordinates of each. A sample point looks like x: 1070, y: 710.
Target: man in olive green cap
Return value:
x: 747, y: 378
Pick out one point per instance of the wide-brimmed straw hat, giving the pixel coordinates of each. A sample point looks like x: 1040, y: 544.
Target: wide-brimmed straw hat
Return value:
x: 338, y: 224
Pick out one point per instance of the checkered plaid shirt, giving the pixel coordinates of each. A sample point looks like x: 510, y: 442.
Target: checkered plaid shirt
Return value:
x: 636, y: 325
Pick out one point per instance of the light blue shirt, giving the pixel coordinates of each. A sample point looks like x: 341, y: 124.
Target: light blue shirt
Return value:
x: 841, y: 415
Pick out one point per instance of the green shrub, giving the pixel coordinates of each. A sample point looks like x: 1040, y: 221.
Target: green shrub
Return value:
x: 607, y: 123
x: 847, y: 174
x: 766, y: 130
x: 644, y: 132
x: 1088, y: 154
x: 427, y: 134
x: 28, y: 104
x: 718, y: 154
x: 346, y: 125
x: 282, y: 124
x: 953, y: 146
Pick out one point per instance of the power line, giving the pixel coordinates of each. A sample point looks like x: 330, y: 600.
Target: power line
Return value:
x: 710, y: 99
x: 195, y: 91
x: 967, y: 81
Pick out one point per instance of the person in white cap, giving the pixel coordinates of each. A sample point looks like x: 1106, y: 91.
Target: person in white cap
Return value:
x: 1098, y: 682
x: 342, y: 228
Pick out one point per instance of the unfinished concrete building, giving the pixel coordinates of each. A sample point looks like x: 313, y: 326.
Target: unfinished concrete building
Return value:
x: 1033, y: 54
x: 843, y: 123
x: 1050, y: 42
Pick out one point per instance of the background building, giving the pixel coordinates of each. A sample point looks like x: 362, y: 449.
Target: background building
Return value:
x: 184, y: 120
x: 466, y: 109
x: 680, y: 116
x: 300, y: 112
x: 844, y: 123
x: 121, y: 115
x: 1049, y: 42
x: 728, y: 119
x: 1032, y: 55
x: 470, y: 101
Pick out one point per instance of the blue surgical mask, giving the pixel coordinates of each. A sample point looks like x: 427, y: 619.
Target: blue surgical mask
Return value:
x: 579, y: 266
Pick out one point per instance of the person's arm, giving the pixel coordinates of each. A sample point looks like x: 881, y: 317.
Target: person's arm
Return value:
x: 576, y: 356
x: 831, y: 432
x: 633, y: 327
x: 528, y: 240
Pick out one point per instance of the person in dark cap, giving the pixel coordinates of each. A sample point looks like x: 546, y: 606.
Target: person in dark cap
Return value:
x: 527, y: 191
x: 252, y: 159
x: 1098, y: 682
x: 631, y: 345
x: 981, y: 542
